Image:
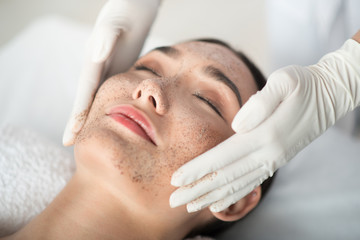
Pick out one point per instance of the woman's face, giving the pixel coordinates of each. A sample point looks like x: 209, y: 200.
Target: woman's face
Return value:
x: 172, y: 105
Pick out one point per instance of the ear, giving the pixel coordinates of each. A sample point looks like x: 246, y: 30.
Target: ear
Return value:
x: 240, y: 208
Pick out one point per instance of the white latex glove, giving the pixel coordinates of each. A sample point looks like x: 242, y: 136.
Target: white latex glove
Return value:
x: 115, y: 43
x: 296, y: 106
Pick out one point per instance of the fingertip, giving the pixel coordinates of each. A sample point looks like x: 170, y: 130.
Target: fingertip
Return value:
x: 190, y: 207
x: 176, y: 178
x: 72, y: 128
x: 104, y: 44
x: 236, y: 123
x: 244, y: 120
x: 68, y: 138
x: 171, y: 201
x: 256, y: 110
x: 68, y: 142
x: 175, y: 199
x: 175, y: 183
x: 217, y: 208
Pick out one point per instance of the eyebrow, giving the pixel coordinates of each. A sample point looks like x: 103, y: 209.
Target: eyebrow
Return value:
x: 210, y: 70
x: 218, y: 75
x: 169, y: 51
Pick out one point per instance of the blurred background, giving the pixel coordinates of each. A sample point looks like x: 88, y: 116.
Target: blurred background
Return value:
x: 240, y: 22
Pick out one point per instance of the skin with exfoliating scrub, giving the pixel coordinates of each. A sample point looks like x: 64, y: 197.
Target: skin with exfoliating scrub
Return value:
x: 144, y: 124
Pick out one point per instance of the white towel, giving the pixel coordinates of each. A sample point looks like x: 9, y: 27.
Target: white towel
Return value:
x: 32, y: 172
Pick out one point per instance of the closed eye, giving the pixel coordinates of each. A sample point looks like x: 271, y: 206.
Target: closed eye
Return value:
x: 142, y: 67
x: 209, y: 103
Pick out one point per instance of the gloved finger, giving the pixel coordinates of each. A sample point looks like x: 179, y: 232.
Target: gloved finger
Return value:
x: 226, y: 190
x: 190, y: 192
x: 261, y: 105
x: 228, y: 201
x: 224, y: 176
x: 69, y: 135
x: 110, y: 22
x: 214, y: 159
x: 88, y: 84
x: 104, y: 42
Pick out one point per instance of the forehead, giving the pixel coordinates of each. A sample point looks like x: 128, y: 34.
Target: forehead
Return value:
x: 211, y: 52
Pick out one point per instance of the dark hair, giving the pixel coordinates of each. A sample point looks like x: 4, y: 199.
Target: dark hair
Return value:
x: 217, y: 226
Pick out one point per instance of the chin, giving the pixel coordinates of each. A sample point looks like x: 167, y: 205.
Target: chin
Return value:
x: 104, y: 150
x: 121, y: 166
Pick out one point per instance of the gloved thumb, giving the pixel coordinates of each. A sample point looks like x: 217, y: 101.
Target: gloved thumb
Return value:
x: 103, y: 43
x: 108, y: 27
x: 261, y: 105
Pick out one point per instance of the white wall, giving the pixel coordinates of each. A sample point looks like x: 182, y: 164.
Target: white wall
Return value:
x: 239, y: 22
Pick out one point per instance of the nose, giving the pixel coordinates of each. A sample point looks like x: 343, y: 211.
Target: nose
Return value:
x: 150, y: 91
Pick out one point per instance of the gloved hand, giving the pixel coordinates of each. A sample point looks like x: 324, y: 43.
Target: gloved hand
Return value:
x: 296, y: 105
x: 116, y: 41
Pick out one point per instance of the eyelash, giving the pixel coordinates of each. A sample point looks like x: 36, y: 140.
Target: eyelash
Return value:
x: 142, y: 67
x: 208, y: 102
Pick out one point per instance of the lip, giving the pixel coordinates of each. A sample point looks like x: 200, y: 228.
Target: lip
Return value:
x: 134, y: 120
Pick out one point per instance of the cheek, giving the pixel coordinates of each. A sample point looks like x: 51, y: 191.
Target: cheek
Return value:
x: 114, y: 88
x: 191, y: 135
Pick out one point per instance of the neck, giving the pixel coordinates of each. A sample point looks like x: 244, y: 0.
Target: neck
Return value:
x: 88, y: 210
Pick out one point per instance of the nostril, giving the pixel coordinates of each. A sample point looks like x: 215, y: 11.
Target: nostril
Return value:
x: 139, y: 94
x: 151, y: 98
